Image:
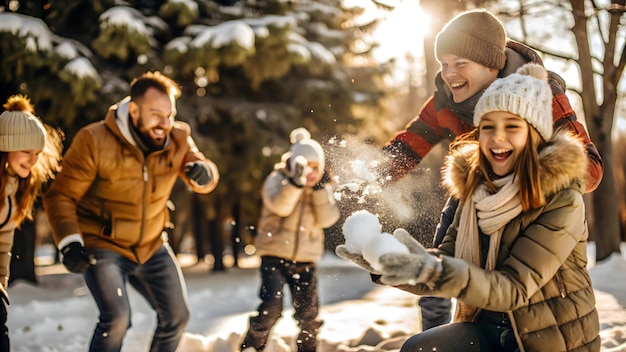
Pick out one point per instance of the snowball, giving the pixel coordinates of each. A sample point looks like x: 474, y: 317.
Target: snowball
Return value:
x: 382, y: 244
x: 359, y: 228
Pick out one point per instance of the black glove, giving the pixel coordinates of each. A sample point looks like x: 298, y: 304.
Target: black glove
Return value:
x: 324, y: 180
x: 198, y: 173
x: 298, y: 170
x: 75, y: 259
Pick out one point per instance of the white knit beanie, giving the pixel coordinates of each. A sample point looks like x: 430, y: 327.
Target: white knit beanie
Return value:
x: 525, y: 93
x: 19, y: 128
x: 303, y: 145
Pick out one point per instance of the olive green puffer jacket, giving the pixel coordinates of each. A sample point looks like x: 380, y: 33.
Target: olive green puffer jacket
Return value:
x: 541, y: 279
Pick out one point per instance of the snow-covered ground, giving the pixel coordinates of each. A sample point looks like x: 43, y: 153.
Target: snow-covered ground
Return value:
x: 59, y: 314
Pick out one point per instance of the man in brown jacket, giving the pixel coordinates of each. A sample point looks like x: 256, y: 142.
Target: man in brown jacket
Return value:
x: 107, y: 209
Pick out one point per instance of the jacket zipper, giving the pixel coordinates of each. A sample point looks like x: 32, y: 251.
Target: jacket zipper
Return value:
x: 560, y: 284
x: 563, y: 293
x: 143, y: 209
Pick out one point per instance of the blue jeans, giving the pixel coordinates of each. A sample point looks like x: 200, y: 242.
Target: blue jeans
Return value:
x: 159, y: 281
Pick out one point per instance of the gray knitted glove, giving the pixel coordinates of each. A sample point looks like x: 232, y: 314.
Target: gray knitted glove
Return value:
x: 357, y: 259
x: 418, y: 267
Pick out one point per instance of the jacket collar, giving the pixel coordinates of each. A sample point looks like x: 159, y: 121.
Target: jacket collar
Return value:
x: 123, y: 120
x: 563, y: 164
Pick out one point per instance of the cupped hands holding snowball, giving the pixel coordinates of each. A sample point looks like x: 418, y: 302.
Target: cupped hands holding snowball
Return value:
x: 398, y: 258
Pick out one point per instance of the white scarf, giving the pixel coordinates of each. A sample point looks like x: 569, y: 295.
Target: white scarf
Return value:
x: 490, y: 211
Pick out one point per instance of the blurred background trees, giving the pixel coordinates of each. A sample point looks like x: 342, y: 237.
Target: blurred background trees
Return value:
x: 252, y: 70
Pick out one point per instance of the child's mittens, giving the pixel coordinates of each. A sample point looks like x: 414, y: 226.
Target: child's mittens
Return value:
x: 417, y: 267
x: 298, y: 170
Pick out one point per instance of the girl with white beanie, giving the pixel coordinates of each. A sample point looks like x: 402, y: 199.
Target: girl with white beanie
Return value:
x: 29, y: 156
x: 515, y: 256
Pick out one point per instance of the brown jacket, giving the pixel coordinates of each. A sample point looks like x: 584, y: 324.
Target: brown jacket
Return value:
x: 112, y: 195
x: 293, y: 218
x: 541, y: 279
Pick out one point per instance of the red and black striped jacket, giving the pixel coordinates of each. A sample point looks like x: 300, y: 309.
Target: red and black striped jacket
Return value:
x: 436, y: 122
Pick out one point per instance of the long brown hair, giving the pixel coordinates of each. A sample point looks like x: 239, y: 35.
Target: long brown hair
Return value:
x: 30, y: 187
x: 526, y: 169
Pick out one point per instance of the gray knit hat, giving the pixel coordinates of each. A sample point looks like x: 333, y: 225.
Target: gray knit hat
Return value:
x: 476, y: 35
x: 19, y: 128
x: 525, y: 93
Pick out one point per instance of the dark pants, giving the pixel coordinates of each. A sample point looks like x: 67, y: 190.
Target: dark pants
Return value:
x: 302, y: 281
x: 489, y: 334
x: 5, y: 343
x: 435, y: 310
x: 159, y: 281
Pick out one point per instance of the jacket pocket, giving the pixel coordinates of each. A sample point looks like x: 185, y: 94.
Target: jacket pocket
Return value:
x: 124, y: 229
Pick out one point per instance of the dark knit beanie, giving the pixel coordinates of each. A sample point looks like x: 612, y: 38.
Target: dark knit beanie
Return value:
x: 476, y: 35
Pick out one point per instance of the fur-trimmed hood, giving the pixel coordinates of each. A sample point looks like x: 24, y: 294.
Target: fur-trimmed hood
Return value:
x: 563, y: 160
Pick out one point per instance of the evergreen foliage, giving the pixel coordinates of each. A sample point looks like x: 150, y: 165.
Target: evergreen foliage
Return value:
x: 250, y: 72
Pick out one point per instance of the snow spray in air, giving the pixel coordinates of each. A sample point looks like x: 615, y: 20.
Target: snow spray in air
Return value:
x: 361, y: 182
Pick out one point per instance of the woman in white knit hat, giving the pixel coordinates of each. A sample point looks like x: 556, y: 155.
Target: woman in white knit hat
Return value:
x: 515, y: 255
x: 29, y: 156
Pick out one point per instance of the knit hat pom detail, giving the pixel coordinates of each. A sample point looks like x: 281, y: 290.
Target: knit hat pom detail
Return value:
x: 303, y: 145
x: 20, y: 129
x: 534, y: 70
x: 299, y: 134
x: 19, y: 103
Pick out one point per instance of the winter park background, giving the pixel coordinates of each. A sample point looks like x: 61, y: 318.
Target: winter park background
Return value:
x: 58, y: 314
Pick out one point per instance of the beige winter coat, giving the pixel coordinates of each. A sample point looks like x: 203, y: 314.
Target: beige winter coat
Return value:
x: 541, y: 279
x: 293, y: 218
x: 7, y: 232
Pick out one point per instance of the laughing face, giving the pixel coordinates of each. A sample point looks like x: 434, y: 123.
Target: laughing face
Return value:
x: 502, y: 137
x: 152, y: 116
x: 465, y: 77
x: 19, y: 163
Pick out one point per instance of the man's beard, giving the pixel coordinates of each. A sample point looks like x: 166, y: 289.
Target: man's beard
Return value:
x: 146, y: 139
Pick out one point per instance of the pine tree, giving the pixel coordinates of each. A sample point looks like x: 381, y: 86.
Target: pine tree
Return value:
x: 250, y: 72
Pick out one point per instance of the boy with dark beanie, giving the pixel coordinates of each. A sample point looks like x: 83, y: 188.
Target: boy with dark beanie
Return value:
x: 473, y: 51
